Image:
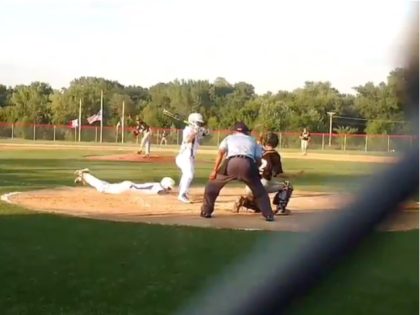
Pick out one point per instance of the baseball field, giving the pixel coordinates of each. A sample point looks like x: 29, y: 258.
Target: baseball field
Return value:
x: 67, y: 249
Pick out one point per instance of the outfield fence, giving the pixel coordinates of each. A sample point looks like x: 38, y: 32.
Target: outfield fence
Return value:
x: 288, y: 140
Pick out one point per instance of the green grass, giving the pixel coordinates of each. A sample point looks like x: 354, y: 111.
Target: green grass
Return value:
x: 34, y: 168
x: 380, y: 278
x: 61, y: 265
x: 130, y: 145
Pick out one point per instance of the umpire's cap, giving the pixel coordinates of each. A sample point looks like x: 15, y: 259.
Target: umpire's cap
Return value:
x: 241, y: 127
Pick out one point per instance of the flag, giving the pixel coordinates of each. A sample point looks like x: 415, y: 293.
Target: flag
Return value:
x: 74, y: 123
x: 96, y: 117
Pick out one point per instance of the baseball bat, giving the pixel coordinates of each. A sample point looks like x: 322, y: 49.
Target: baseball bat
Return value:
x: 174, y: 116
x: 202, y: 131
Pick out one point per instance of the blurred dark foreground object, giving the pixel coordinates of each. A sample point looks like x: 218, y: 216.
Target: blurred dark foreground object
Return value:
x: 265, y: 282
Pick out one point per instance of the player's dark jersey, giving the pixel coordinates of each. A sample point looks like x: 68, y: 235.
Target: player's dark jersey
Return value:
x: 273, y: 166
x: 143, y: 127
x: 305, y: 136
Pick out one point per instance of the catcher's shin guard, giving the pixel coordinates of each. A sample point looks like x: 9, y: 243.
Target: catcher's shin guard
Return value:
x: 238, y: 204
x: 282, y: 197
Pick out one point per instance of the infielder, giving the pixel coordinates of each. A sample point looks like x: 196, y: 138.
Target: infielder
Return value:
x: 305, y: 137
x: 238, y: 159
x: 163, y: 187
x: 163, y: 139
x: 146, y: 132
x: 270, y: 170
x: 185, y: 160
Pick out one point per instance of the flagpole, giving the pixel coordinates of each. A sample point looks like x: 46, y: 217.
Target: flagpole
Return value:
x: 122, y: 122
x: 80, y: 117
x: 102, y: 115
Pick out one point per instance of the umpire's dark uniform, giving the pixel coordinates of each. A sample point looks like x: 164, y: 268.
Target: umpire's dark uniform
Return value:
x: 237, y: 160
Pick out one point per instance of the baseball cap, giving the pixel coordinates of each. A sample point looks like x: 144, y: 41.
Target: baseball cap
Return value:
x: 240, y: 127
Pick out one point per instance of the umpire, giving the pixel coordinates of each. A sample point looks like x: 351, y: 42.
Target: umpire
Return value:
x: 238, y: 159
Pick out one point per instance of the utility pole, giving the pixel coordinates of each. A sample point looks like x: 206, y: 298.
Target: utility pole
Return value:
x: 123, y: 122
x: 80, y: 117
x: 331, y: 115
x: 102, y: 116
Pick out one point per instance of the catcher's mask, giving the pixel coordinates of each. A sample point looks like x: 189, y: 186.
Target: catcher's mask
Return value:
x: 271, y: 139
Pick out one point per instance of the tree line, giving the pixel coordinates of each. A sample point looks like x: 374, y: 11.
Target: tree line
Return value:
x: 374, y: 109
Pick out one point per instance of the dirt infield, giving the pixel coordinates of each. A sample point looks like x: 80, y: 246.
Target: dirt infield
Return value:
x: 309, y: 209
x: 133, y: 157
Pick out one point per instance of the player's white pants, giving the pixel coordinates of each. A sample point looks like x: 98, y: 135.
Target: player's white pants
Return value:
x: 271, y: 186
x: 303, y: 145
x: 186, y: 165
x: 146, y: 141
x: 105, y: 187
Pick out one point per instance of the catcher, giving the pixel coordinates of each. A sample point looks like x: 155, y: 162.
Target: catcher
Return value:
x: 270, y: 169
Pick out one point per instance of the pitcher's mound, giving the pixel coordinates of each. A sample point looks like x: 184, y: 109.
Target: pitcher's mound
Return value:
x: 133, y: 157
x: 309, y: 209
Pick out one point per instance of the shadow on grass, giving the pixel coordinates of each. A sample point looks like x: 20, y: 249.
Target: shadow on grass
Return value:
x: 60, y: 265
x: 52, y: 264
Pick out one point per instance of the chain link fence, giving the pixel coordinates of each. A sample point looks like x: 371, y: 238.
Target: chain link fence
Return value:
x: 288, y: 140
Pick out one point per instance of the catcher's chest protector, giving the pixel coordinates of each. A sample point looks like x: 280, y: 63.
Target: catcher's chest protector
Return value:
x: 273, y: 165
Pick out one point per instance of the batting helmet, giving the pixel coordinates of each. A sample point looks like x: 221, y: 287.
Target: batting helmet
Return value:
x: 195, y: 118
x: 167, y: 183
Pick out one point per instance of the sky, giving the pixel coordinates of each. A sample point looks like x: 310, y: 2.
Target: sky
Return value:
x: 273, y: 45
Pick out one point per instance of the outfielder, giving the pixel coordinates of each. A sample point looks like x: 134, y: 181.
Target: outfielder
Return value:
x: 163, y: 187
x: 305, y: 137
x: 240, y: 155
x: 146, y: 132
x: 271, y: 168
x: 185, y: 160
x: 163, y: 139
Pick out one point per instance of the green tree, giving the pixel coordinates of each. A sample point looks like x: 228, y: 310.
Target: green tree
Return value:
x: 65, y: 103
x: 63, y: 107
x: 31, y: 103
x: 273, y: 115
x: 213, y: 123
x: 310, y: 105
x: 115, y: 107
x: 153, y: 115
x: 381, y: 106
x: 249, y: 113
x: 5, y: 95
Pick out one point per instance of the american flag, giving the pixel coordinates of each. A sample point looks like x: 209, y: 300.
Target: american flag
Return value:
x: 96, y: 117
x: 74, y: 123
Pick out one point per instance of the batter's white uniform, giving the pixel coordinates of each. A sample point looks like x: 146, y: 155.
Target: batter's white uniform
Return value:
x: 118, y: 188
x: 185, y: 159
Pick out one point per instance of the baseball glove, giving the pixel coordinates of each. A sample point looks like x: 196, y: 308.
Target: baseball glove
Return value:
x: 135, y: 132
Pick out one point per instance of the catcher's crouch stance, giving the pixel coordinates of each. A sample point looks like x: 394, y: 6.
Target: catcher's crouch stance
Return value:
x: 270, y: 167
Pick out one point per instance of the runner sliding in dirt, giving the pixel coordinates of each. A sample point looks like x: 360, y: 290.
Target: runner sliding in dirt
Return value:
x: 164, y: 186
